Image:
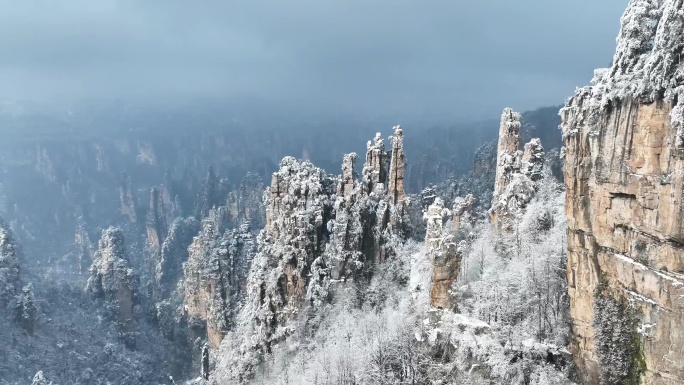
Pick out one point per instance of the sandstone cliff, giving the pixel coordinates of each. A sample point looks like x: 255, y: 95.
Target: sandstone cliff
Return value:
x: 623, y: 173
x: 173, y: 252
x: 516, y: 172
x: 214, y: 277
x: 336, y: 228
x: 112, y: 279
x: 321, y: 232
x: 443, y: 252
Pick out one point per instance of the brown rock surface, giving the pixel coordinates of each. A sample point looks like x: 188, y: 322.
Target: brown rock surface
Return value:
x: 443, y: 252
x: 624, y: 179
x: 375, y: 168
x: 507, y: 152
x: 396, y: 172
x: 215, y: 276
x: 624, y: 209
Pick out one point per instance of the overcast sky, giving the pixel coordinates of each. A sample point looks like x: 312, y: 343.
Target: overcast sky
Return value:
x: 450, y: 57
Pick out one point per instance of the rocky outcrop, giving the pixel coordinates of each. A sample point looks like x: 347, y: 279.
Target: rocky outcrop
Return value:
x: 396, y: 179
x: 345, y: 254
x: 462, y: 211
x: 623, y: 163
x: 366, y: 214
x: 516, y: 172
x: 215, y: 276
x: 209, y: 195
x: 443, y: 251
x: 156, y: 219
x: 533, y: 159
x: 9, y: 266
x: 162, y: 211
x: 174, y: 251
x: 127, y: 204
x: 321, y: 232
x: 375, y: 168
x: 83, y: 247
x: 246, y: 203
x: 112, y: 279
x: 299, y: 206
x: 507, y: 156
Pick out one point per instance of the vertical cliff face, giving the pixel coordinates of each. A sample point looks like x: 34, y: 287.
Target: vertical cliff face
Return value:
x: 443, y: 252
x: 298, y: 209
x: 375, y: 167
x: 516, y: 172
x: 9, y: 266
x: 623, y: 173
x: 215, y: 276
x: 209, y: 196
x: 173, y: 252
x: 345, y: 251
x: 157, y: 226
x: 396, y: 178
x: 111, y: 277
x: 507, y: 152
x: 462, y: 211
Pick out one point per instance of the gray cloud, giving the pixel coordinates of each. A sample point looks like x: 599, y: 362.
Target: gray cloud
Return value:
x: 447, y: 58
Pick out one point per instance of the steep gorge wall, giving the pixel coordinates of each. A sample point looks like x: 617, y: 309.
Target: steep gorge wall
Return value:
x: 625, y: 186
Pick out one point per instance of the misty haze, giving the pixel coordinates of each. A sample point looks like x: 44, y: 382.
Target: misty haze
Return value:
x: 342, y: 192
